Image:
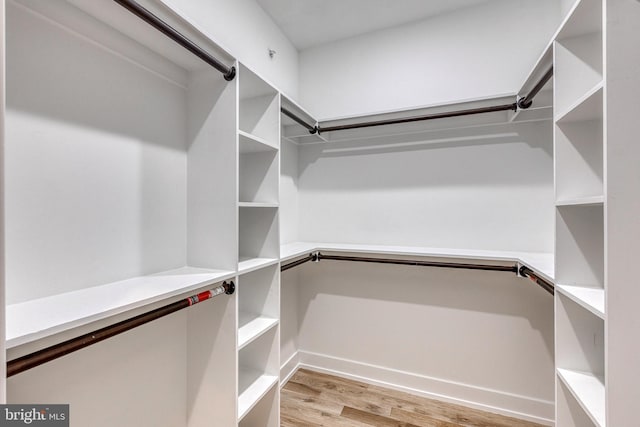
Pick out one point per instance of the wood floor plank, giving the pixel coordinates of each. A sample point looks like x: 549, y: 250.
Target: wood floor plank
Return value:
x: 316, y: 399
x: 302, y: 416
x: 295, y: 387
x: 347, y: 392
x: 311, y: 402
x: 421, y: 419
x: 372, y: 419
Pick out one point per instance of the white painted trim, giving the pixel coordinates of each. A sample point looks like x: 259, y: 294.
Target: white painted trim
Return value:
x: 485, y: 399
x: 289, y: 368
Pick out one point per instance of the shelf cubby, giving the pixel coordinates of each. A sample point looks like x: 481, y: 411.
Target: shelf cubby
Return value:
x: 265, y: 412
x: 579, y: 156
x: 258, y: 238
x: 578, y: 70
x: 258, y: 304
x: 579, y: 337
x: 259, y: 109
x: 258, y: 177
x: 580, y: 396
x: 258, y: 371
x: 580, y: 245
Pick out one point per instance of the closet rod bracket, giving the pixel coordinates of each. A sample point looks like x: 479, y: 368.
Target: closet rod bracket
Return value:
x: 229, y: 287
x: 231, y: 74
x: 526, y: 272
x: 523, y: 103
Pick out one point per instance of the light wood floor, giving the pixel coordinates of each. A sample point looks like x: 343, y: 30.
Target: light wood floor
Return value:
x: 314, y: 399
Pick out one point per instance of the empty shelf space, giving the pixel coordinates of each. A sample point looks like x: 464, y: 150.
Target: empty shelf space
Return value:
x: 249, y: 143
x: 252, y: 386
x: 246, y: 265
x: 587, y: 107
x: 36, y: 319
x: 257, y: 205
x: 590, y: 298
x: 581, y: 201
x: 584, y: 18
x: 589, y: 391
x: 251, y: 326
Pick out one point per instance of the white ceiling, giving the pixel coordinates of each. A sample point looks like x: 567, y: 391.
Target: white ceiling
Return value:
x: 309, y: 23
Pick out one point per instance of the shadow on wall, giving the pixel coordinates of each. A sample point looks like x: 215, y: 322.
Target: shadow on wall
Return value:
x: 481, y: 156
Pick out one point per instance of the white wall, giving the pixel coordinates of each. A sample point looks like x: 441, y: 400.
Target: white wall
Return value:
x: 484, y: 338
x: 477, y: 52
x: 484, y: 188
x: 244, y: 29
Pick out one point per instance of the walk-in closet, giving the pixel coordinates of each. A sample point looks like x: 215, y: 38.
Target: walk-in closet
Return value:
x: 350, y: 213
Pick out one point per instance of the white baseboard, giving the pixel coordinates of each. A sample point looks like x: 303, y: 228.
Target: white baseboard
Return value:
x: 289, y: 367
x: 498, y: 402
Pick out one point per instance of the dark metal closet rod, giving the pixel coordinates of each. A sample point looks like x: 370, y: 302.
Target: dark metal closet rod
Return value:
x: 444, y: 115
x: 466, y: 266
x: 523, y: 271
x: 157, y: 23
x: 56, y: 351
x: 312, y: 129
x: 310, y: 257
x: 526, y: 101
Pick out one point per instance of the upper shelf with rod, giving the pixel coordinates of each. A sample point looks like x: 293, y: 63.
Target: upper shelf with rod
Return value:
x: 474, y: 112
x: 539, y: 264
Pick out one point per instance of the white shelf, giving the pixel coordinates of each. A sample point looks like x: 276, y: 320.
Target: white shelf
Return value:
x: 541, y: 263
x: 246, y: 265
x: 581, y: 201
x: 257, y: 205
x: 253, y: 144
x: 589, y: 391
x: 587, y: 107
x: 252, y: 326
x: 252, y: 386
x: 43, y: 317
x: 590, y: 298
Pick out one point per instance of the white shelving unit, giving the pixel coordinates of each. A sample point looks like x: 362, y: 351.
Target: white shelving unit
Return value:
x: 259, y: 252
x: 579, y: 146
